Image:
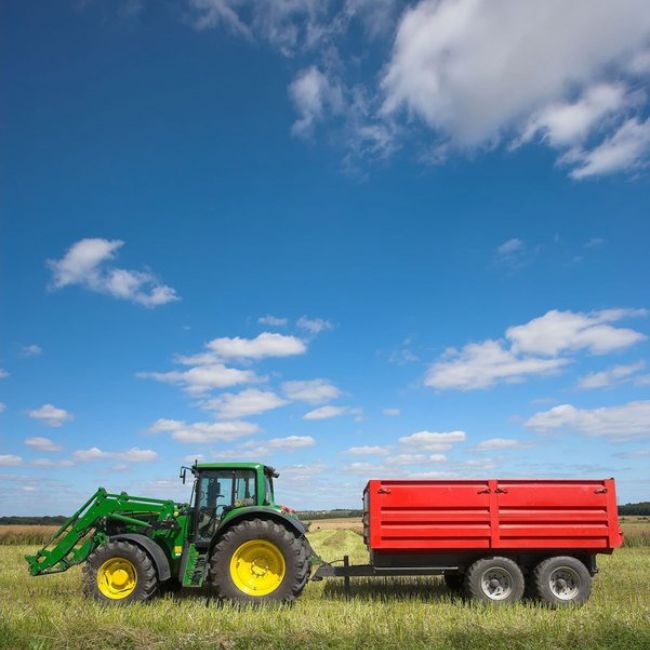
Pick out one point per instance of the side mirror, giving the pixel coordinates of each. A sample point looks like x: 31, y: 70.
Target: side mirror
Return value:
x: 183, y: 472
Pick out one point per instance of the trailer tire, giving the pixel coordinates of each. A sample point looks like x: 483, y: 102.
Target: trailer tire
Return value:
x: 494, y: 580
x: 561, y: 581
x: 454, y: 581
x: 119, y: 573
x: 258, y: 561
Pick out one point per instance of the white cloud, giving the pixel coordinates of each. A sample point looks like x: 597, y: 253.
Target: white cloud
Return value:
x: 367, y: 450
x: 640, y: 63
x: 199, y: 359
x: 212, y: 13
x: 407, y: 459
x: 300, y: 473
x: 534, y: 349
x: 230, y: 406
x: 190, y: 458
x: 48, y: 462
x: 634, y: 454
x: 200, y: 379
x: 3, y: 373
x: 85, y: 264
x: 51, y: 415
x: 43, y: 462
x: 272, y: 321
x: 133, y: 455
x: 567, y: 124
x: 256, y: 449
x: 403, y: 354
x: 43, y: 444
x: 510, y: 246
x: 286, y: 25
x: 32, y: 350
x: 314, y: 325
x: 475, y: 72
x: 561, y: 331
x: 512, y: 253
x: 391, y: 412
x: 613, y: 422
x: 267, y: 344
x: 290, y: 442
x: 610, y: 377
x: 437, y: 458
x: 595, y: 242
x: 325, y: 412
x: 3, y: 407
x: 9, y: 460
x: 472, y: 69
x: 502, y: 443
x: 481, y: 365
x: 433, y: 440
x: 626, y: 149
x: 312, y: 94
x: 203, y: 432
x: 377, y: 16
x: 364, y: 469
x: 312, y: 391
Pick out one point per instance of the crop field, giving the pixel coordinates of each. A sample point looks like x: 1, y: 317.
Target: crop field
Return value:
x: 50, y: 612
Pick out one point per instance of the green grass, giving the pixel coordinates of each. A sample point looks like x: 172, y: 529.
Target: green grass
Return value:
x: 49, y: 612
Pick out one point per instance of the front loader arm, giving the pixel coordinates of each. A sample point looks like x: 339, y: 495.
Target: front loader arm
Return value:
x: 85, y: 529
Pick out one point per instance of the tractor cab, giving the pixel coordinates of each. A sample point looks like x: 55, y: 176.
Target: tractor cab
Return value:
x: 222, y: 490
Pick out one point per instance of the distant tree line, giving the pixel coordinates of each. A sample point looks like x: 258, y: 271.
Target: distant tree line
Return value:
x: 32, y: 521
x: 641, y: 509
x: 337, y: 513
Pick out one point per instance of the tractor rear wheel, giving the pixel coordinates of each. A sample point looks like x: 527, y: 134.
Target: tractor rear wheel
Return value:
x: 118, y: 573
x: 259, y: 561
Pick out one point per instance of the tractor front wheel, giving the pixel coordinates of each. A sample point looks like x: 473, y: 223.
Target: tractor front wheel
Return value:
x: 259, y: 561
x: 118, y: 573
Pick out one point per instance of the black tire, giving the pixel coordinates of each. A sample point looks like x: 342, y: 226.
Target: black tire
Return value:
x: 293, y: 549
x: 494, y: 580
x: 146, y: 578
x: 454, y: 581
x: 561, y: 581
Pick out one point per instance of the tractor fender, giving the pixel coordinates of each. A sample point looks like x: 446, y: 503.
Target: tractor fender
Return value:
x: 255, y: 512
x: 154, y: 550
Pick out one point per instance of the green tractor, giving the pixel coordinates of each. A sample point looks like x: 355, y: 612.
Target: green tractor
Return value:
x: 233, y: 537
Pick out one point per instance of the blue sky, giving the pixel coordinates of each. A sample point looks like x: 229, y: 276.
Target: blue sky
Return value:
x: 348, y: 239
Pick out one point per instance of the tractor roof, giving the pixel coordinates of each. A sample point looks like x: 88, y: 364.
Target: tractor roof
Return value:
x: 235, y: 465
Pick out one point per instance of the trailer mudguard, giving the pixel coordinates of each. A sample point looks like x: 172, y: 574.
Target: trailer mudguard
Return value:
x: 155, y: 552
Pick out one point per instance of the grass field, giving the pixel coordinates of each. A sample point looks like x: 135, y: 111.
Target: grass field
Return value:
x: 50, y: 612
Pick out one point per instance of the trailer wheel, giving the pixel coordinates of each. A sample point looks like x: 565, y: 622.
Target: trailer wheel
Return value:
x: 454, y: 581
x: 562, y: 580
x: 259, y: 561
x: 119, y: 573
x: 494, y: 580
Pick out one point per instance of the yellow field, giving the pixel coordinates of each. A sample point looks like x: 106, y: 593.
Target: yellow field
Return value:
x: 50, y: 612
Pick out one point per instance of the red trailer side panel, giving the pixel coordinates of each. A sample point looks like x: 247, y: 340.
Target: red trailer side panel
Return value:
x: 500, y: 514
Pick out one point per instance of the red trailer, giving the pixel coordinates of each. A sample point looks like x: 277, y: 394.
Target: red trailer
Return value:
x: 494, y: 539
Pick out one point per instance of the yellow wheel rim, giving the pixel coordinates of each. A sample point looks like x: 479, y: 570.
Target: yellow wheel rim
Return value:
x: 257, y: 567
x: 117, y: 578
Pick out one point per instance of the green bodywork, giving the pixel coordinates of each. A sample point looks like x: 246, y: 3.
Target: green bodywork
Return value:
x: 162, y: 525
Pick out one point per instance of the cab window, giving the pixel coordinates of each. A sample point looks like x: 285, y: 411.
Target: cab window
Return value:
x: 219, y: 491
